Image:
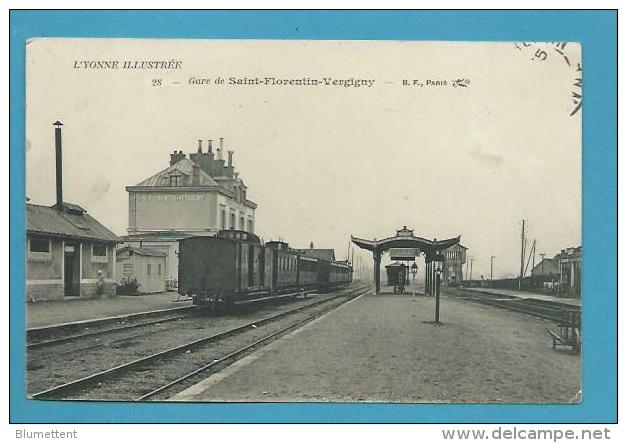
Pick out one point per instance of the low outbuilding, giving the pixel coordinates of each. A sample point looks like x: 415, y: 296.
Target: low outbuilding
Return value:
x: 144, y: 265
x: 68, y: 253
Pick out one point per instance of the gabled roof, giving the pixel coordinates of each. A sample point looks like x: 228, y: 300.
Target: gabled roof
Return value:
x: 322, y: 254
x: 185, y: 167
x: 68, y: 221
x: 146, y: 252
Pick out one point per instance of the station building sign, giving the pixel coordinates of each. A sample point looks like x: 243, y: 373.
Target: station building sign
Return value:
x: 153, y: 196
x: 403, y: 253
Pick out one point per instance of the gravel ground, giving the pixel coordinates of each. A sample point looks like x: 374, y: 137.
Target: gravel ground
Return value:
x: 382, y: 349
x: 65, y: 311
x: 46, y: 370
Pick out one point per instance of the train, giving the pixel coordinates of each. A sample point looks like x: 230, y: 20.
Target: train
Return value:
x: 234, y: 267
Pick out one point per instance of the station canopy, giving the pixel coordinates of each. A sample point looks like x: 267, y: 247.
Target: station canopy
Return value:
x: 405, y: 243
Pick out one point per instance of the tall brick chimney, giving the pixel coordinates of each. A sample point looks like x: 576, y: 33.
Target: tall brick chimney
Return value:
x: 230, y: 163
x: 200, y: 146
x: 59, y: 160
x: 209, y: 146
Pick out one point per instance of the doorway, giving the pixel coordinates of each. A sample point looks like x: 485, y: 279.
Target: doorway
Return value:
x: 71, y: 270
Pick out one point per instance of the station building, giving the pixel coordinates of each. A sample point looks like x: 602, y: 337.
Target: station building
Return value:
x: 68, y: 252
x: 196, y: 195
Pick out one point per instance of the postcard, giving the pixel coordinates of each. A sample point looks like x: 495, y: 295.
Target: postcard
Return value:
x: 304, y: 221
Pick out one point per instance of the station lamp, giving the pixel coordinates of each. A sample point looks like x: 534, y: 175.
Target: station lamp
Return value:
x: 414, y: 270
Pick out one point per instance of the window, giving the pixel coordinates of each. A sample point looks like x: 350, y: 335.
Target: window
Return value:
x: 175, y: 180
x: 222, y: 217
x: 250, y: 225
x: 99, y: 253
x: 99, y: 250
x: 159, y: 269
x: 232, y: 220
x: 39, y: 245
x: 241, y: 223
x: 148, y: 269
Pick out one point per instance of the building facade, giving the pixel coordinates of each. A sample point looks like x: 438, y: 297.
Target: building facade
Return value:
x: 68, y: 254
x: 196, y: 195
x: 145, y: 265
x: 569, y: 262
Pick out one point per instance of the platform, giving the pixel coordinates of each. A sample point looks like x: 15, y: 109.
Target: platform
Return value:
x: 383, y: 349
x: 530, y: 295
x: 46, y: 313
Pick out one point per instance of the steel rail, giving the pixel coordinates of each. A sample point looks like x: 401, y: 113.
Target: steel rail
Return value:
x: 239, y: 352
x: 83, y: 324
x: 76, y: 384
x: 55, y: 341
x: 546, y: 310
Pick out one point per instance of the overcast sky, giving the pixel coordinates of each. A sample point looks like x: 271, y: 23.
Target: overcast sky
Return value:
x: 326, y: 162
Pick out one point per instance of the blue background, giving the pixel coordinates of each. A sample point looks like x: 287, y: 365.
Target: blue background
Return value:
x: 596, y: 30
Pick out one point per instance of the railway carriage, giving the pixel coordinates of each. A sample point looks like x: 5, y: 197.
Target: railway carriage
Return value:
x: 235, y: 267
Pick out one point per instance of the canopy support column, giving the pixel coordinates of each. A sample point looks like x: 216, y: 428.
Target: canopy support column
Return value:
x: 377, y: 272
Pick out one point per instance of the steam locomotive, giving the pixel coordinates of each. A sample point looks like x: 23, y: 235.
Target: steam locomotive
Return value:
x: 234, y: 267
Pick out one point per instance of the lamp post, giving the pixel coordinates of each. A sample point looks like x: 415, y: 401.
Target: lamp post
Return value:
x: 414, y: 271
x: 438, y: 262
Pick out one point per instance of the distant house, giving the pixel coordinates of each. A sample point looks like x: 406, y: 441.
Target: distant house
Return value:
x: 147, y: 265
x: 322, y: 254
x: 68, y: 253
x: 546, y: 268
x: 570, y: 271
x: 455, y: 257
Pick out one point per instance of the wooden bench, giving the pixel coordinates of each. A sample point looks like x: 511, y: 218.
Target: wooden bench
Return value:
x: 569, y: 330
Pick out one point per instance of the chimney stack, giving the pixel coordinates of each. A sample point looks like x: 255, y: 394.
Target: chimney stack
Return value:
x: 311, y: 245
x: 209, y: 146
x: 200, y: 146
x: 175, y: 157
x: 230, y: 163
x: 221, y: 148
x: 59, y: 159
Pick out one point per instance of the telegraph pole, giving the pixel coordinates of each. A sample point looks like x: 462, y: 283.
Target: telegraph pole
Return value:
x: 522, y: 255
x: 471, y: 260
x: 492, y: 257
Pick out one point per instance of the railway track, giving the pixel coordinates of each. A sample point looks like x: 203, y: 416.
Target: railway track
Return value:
x: 158, y: 373
x: 547, y: 310
x: 65, y: 332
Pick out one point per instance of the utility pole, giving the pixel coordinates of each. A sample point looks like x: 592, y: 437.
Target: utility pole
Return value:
x: 492, y: 257
x: 522, y: 255
x: 471, y: 260
x: 532, y: 253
